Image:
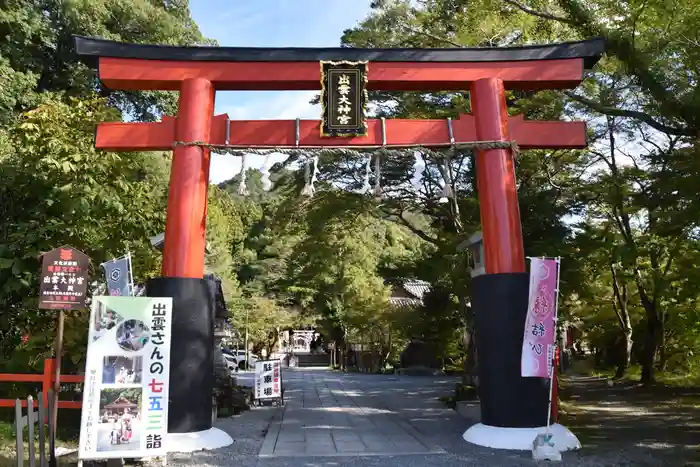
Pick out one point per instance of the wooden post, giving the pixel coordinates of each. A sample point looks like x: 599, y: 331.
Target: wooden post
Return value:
x: 42, y: 436
x: 555, y: 387
x: 19, y: 432
x: 30, y: 431
x: 47, y: 385
x: 53, y: 462
x: 57, y: 370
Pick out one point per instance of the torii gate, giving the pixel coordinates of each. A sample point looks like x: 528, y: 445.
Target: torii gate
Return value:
x: 508, y: 401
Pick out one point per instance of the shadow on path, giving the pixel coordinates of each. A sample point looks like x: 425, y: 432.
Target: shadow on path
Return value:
x: 656, y: 422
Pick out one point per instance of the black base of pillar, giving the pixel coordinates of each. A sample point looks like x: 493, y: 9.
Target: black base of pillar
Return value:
x: 499, y: 305
x: 191, y: 352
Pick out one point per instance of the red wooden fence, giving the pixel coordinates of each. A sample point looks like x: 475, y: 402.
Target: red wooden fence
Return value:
x: 47, y: 383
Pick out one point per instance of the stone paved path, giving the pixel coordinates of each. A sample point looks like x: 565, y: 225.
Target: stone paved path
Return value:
x: 325, y: 415
x: 360, y: 420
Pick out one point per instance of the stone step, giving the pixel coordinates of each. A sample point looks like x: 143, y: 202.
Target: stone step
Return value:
x: 313, y: 360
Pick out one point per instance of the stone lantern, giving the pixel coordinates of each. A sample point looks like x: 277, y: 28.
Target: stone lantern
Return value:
x: 475, y: 248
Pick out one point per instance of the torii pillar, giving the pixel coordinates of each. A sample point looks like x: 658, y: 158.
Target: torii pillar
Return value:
x: 513, y: 409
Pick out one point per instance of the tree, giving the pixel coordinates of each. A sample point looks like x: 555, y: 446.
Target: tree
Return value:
x: 632, y: 95
x: 99, y: 202
x: 645, y: 97
x: 646, y: 37
x: 543, y: 176
x: 37, y: 48
x: 335, y: 272
x: 102, y: 203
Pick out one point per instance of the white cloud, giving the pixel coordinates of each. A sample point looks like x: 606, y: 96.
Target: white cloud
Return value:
x: 286, y: 105
x: 268, y: 105
x: 223, y: 167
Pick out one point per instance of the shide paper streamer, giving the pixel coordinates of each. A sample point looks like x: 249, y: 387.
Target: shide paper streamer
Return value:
x: 309, y: 188
x: 242, y: 186
x: 265, y: 172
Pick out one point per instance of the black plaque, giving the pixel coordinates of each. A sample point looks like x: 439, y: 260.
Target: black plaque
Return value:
x: 64, y: 279
x: 343, y: 98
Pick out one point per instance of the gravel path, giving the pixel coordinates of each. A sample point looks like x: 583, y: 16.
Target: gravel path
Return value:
x: 415, y: 400
x: 248, y: 431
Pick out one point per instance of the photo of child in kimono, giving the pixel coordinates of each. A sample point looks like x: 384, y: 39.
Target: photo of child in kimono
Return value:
x: 122, y: 370
x: 132, y: 335
x: 120, y: 420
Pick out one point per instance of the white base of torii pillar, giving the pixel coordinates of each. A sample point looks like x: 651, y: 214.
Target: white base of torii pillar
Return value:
x: 519, y: 439
x: 207, y: 440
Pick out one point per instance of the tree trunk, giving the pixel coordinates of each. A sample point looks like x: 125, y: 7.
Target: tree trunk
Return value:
x: 271, y: 344
x: 626, y: 355
x: 662, y: 344
x: 386, y: 355
x: 651, y: 346
x: 470, y: 376
x: 620, y: 306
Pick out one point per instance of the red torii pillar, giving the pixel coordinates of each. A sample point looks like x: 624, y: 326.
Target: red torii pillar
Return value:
x: 500, y: 296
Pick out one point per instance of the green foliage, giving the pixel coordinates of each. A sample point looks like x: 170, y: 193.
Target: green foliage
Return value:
x: 56, y: 188
x: 438, y: 322
x: 59, y: 190
x: 36, y: 47
x: 335, y: 264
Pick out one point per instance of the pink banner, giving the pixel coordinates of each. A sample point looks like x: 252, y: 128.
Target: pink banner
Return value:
x: 540, y: 333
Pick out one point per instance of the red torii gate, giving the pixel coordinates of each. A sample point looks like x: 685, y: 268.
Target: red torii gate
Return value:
x: 500, y: 296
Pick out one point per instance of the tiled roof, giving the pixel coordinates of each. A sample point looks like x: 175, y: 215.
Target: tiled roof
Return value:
x: 416, y: 287
x: 402, y: 302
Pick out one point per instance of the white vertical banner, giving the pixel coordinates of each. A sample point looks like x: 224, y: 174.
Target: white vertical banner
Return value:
x: 125, y: 400
x: 132, y: 290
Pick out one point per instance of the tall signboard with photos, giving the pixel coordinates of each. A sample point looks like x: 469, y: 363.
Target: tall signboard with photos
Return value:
x: 125, y: 401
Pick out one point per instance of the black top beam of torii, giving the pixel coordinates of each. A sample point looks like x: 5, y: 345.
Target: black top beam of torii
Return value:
x: 90, y: 49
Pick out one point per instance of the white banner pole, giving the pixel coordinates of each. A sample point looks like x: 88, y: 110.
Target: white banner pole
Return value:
x: 131, y: 274
x: 554, y: 360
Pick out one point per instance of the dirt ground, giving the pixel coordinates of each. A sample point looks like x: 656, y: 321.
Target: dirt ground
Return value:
x: 662, y: 421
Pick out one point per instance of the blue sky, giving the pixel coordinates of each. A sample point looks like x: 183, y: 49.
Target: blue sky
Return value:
x: 271, y: 23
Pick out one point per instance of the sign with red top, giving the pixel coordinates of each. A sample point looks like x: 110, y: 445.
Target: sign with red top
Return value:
x: 268, y: 379
x: 64, y: 278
